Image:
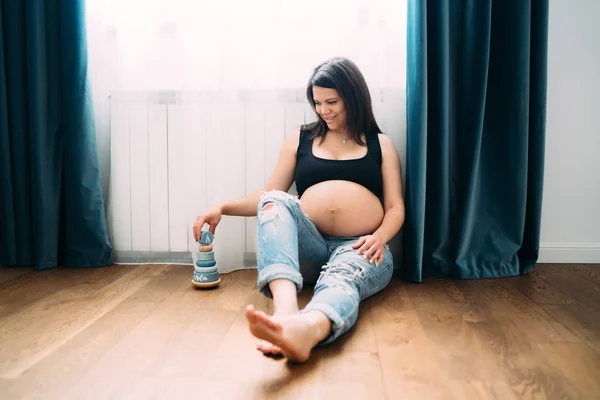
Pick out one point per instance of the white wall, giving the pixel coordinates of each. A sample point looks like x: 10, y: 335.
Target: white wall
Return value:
x: 571, y: 208
x: 198, y: 111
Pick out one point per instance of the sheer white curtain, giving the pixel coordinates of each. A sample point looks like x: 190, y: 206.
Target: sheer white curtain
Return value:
x: 194, y: 98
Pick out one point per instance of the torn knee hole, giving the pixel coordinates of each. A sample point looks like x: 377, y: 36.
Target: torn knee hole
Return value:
x: 268, y: 211
x: 346, y: 271
x: 268, y: 206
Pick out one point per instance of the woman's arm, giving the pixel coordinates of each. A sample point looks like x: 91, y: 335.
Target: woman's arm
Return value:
x: 392, y: 191
x: 371, y: 246
x: 281, y: 179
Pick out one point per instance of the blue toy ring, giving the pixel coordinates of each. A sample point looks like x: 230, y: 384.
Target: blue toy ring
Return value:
x: 206, y: 238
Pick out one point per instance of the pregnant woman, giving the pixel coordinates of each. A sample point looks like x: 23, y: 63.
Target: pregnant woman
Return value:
x: 334, y: 234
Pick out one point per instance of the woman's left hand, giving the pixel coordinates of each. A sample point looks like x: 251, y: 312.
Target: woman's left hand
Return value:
x: 371, y: 247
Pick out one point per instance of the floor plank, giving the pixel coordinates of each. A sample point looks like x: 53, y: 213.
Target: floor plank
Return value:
x: 581, y: 320
x: 458, y: 350
x: 76, y: 305
x: 144, y: 332
x: 580, y: 285
x: 408, y: 361
x: 531, y: 319
x: 9, y: 274
x: 524, y: 367
x: 575, y: 361
x: 145, y: 345
x: 54, y: 375
x: 26, y: 290
x: 539, y: 290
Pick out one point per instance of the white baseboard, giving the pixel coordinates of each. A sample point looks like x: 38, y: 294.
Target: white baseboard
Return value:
x: 574, y: 253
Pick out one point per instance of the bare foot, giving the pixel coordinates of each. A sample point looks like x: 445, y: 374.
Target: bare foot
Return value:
x: 270, y: 349
x: 295, y: 334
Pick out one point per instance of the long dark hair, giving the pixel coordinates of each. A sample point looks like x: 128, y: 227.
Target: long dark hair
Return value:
x: 344, y: 76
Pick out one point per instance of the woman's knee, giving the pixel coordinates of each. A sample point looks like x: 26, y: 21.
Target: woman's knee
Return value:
x: 355, y: 275
x: 267, y: 204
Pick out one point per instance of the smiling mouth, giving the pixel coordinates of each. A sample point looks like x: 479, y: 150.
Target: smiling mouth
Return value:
x: 330, y: 119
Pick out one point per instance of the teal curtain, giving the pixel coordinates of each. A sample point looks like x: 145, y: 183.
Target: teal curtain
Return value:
x: 51, y: 207
x: 476, y: 107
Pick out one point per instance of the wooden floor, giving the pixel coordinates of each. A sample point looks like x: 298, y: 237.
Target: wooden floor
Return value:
x: 143, y: 332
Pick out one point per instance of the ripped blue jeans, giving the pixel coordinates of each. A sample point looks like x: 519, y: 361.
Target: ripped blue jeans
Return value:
x: 291, y: 247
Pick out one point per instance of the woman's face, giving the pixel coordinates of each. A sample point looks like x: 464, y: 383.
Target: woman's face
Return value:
x: 330, y: 107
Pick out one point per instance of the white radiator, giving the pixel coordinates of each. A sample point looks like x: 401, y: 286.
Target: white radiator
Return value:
x: 173, y: 154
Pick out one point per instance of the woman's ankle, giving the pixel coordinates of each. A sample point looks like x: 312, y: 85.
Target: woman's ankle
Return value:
x: 285, y: 308
x: 320, y: 323
x: 284, y: 294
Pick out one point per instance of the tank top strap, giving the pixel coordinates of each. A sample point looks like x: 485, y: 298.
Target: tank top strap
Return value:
x: 373, y: 146
x: 305, y: 142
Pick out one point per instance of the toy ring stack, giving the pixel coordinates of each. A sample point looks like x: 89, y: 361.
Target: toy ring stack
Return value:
x: 206, y: 274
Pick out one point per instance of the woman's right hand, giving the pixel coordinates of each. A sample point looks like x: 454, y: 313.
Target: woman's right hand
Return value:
x: 211, y: 217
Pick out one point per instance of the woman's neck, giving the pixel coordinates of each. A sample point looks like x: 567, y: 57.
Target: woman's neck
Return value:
x: 341, y: 133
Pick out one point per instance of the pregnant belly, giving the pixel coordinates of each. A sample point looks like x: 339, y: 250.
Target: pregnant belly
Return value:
x: 342, y: 208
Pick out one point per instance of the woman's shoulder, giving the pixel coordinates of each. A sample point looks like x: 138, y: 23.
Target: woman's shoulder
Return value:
x: 306, y: 134
x: 294, y: 136
x: 378, y: 137
x: 384, y: 140
x: 387, y: 145
x: 308, y: 129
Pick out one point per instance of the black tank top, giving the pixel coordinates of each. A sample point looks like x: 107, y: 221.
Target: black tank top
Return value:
x: 365, y: 171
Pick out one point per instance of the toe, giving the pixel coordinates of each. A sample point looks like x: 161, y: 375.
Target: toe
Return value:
x: 261, y: 314
x: 276, y: 349
x: 267, y: 320
x: 251, y: 314
x: 267, y: 348
x: 273, y: 349
x: 273, y: 324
